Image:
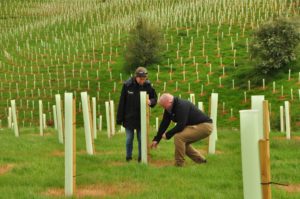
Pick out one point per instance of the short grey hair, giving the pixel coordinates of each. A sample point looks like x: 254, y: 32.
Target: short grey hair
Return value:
x: 165, y: 97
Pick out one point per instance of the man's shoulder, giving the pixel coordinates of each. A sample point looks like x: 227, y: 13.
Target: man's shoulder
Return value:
x: 182, y: 102
x: 148, y: 83
x: 128, y: 82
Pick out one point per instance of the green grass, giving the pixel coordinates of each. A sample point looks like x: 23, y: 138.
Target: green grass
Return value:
x: 62, y: 36
x: 39, y: 39
x: 38, y: 166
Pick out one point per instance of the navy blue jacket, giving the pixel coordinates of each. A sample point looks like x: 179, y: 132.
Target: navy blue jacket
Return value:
x: 184, y: 113
x: 128, y: 113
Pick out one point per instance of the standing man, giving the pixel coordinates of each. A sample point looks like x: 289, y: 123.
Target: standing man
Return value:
x: 192, y: 125
x: 129, y: 114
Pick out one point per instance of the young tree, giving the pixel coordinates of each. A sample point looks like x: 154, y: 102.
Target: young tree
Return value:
x: 274, y: 44
x: 143, y: 46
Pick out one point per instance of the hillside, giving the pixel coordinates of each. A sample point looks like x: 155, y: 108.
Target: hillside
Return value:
x: 50, y: 47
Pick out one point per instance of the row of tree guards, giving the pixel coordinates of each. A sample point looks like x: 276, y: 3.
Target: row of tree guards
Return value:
x: 26, y: 119
x: 285, y: 123
x: 254, y: 126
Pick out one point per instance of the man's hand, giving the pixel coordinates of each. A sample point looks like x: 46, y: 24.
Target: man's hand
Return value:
x: 154, y: 144
x: 149, y: 102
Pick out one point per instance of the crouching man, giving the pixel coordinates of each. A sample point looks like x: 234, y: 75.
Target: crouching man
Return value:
x: 191, y: 125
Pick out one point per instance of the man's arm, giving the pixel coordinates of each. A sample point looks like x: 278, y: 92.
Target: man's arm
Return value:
x: 182, y: 118
x: 120, y: 112
x: 152, y: 97
x: 162, y: 127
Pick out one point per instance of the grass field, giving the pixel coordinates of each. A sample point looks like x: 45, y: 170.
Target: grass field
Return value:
x: 50, y: 47
x: 32, y: 166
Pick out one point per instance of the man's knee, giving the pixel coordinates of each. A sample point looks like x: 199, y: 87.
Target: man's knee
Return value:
x: 206, y: 129
x: 209, y: 129
x: 177, y: 138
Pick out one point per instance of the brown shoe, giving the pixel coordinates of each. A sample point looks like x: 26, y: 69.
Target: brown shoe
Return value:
x: 202, y: 161
x: 177, y: 164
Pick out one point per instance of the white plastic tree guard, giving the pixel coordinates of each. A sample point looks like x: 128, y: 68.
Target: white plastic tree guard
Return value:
x: 94, y: 117
x: 87, y: 123
x: 41, y: 118
x: 112, y: 116
x: 287, y: 119
x: 100, y: 123
x: 59, y: 119
x: 70, y: 145
x: 44, y: 121
x: 282, y: 119
x: 249, y: 126
x: 156, y: 124
x: 9, y: 118
x: 200, y: 106
x: 213, y: 114
x: 122, y: 129
x: 257, y: 104
x: 108, y: 122
x: 54, y: 116
x: 144, y: 126
x: 192, y: 98
x: 14, y: 117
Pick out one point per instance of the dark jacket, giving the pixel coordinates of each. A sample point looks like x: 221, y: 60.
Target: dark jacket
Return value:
x: 128, y: 113
x: 184, y: 113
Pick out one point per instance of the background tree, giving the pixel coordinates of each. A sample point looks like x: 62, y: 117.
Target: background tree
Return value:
x: 272, y: 52
x: 274, y: 45
x: 143, y: 46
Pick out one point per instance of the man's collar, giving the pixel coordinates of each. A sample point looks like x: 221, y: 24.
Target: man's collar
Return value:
x: 170, y: 110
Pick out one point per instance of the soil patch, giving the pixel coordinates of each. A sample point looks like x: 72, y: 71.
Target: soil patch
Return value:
x: 161, y: 163
x: 204, y: 151
x: 58, y: 153
x: 118, y: 163
x: 283, y: 137
x: 82, y: 152
x: 6, y: 168
x: 99, y: 190
x: 292, y: 188
x: 38, y: 134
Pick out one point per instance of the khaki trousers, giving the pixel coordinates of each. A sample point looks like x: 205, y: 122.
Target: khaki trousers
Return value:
x: 185, y: 138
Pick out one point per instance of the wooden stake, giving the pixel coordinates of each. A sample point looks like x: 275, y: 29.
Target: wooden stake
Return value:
x: 266, y: 119
x: 265, y: 168
x: 264, y: 146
